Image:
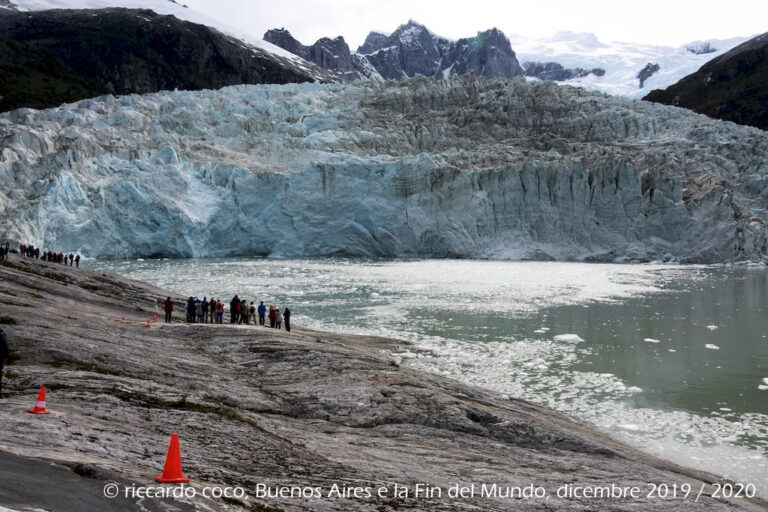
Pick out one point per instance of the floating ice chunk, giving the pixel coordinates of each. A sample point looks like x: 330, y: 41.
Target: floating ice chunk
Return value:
x: 765, y: 380
x: 711, y: 346
x: 726, y: 409
x: 672, y: 350
x: 762, y: 387
x: 571, y: 338
x: 375, y: 294
x: 711, y: 327
x: 652, y: 340
x: 539, y: 331
x: 634, y: 389
x: 544, y: 328
x: 628, y: 426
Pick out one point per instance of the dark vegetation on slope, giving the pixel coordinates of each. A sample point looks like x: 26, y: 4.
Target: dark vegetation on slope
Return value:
x: 59, y: 56
x: 732, y: 87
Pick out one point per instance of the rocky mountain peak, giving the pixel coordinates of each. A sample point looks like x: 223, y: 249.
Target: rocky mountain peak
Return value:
x: 412, y: 49
x: 373, y: 42
x: 647, y: 72
x: 701, y: 48
x: 283, y: 38
x: 332, y: 54
x: 487, y: 54
x: 329, y: 53
x: 555, y: 72
x: 411, y: 33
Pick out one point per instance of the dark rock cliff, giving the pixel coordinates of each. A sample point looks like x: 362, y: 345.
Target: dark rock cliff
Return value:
x: 733, y: 87
x: 59, y: 56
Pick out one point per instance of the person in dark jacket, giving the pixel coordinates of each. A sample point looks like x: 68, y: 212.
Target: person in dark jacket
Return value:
x: 205, y: 305
x: 77, y: 261
x: 262, y: 312
x: 168, y: 309
x: 190, y: 310
x: 287, y: 319
x: 4, y: 350
x: 234, y: 306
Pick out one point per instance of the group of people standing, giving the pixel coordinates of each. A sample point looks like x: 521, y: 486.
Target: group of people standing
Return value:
x: 30, y: 251
x: 199, y: 311
x: 240, y: 312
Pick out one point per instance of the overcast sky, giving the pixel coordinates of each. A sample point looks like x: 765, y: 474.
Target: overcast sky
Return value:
x: 664, y: 22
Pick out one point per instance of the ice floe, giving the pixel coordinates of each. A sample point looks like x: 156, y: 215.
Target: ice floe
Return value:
x: 571, y: 338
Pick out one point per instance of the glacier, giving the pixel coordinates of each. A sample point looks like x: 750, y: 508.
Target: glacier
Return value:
x: 464, y: 167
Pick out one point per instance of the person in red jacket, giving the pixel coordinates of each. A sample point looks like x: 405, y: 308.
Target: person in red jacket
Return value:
x: 168, y: 309
x: 272, y: 316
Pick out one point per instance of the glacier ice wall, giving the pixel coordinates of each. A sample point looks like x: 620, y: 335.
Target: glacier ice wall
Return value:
x: 465, y: 167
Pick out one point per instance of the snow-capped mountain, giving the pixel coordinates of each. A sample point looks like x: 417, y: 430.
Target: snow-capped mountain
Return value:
x: 463, y: 167
x: 409, y: 51
x: 623, y: 63
x: 173, y: 8
x: 579, y: 59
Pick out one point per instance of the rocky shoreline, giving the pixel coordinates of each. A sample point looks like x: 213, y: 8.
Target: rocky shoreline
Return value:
x: 263, y: 409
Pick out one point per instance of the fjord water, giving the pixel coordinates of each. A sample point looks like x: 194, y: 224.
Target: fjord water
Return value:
x: 671, y: 360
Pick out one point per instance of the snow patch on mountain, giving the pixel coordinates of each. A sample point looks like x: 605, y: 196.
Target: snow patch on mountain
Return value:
x: 622, y: 62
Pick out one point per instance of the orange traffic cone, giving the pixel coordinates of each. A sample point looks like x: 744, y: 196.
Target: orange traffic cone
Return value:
x: 123, y: 320
x: 148, y: 324
x: 40, y: 404
x: 172, y: 472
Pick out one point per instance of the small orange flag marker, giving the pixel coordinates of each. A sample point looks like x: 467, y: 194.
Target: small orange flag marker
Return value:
x: 40, y: 404
x: 172, y: 473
